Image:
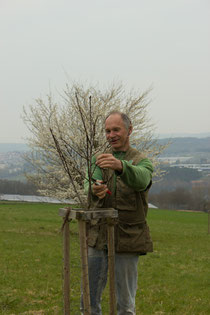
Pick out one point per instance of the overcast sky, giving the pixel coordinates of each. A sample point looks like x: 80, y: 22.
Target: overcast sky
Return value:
x: 143, y: 43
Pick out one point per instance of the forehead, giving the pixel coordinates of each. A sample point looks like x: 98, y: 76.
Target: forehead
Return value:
x: 114, y: 120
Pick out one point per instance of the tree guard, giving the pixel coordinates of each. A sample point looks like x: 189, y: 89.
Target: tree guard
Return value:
x: 84, y: 216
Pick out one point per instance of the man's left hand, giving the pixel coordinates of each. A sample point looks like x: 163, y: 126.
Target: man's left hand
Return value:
x: 109, y: 161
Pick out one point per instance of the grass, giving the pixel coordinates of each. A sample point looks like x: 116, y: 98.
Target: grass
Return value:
x: 174, y: 279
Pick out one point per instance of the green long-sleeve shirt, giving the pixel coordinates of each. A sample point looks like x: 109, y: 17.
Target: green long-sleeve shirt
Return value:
x: 137, y: 176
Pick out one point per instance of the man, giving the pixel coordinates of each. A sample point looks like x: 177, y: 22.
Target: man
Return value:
x: 125, y: 172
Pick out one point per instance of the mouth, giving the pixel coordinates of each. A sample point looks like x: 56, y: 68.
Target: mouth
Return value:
x: 112, y: 142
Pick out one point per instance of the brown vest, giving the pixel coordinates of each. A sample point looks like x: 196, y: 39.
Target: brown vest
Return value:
x: 131, y: 231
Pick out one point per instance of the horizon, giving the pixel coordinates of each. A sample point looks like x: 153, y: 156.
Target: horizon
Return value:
x: 201, y: 135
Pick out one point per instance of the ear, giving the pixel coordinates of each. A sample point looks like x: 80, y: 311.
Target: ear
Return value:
x: 130, y: 130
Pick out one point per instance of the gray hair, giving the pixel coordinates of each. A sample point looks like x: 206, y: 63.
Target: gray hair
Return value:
x: 125, y: 118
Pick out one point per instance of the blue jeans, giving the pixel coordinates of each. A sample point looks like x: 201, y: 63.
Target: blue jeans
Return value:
x: 126, y: 276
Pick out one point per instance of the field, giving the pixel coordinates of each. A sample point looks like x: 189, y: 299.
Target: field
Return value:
x: 174, y: 279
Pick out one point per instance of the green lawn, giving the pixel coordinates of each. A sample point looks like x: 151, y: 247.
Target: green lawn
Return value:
x: 174, y: 279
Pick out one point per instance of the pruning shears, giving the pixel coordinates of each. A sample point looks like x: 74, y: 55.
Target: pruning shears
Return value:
x: 96, y: 182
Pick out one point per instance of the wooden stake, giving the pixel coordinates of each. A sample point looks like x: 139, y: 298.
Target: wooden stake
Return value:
x: 84, y: 258
x: 111, y: 266
x: 66, y: 242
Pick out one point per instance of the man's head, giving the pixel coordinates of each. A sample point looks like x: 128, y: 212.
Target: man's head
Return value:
x: 118, y: 128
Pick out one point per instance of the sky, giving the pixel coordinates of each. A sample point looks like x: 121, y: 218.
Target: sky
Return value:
x: 162, y: 44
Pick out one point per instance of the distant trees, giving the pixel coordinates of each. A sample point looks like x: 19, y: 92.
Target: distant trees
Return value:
x: 180, y: 198
x: 182, y: 174
x: 183, y: 196
x: 175, y: 177
x: 17, y: 188
x: 181, y: 188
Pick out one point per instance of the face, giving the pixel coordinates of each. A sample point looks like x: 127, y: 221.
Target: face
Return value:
x: 116, y: 133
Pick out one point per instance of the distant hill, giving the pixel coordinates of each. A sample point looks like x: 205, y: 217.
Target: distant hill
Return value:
x: 188, y: 145
x: 11, y: 147
x: 178, y: 146
x: 183, y: 135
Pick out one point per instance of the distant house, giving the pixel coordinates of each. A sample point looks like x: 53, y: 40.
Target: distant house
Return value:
x: 152, y: 206
x: 197, y: 183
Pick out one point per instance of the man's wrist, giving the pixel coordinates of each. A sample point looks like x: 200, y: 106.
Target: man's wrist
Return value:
x: 119, y: 170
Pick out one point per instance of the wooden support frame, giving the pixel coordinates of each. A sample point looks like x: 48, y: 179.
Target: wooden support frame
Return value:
x: 84, y: 216
x: 111, y: 267
x: 66, y: 267
x: 84, y: 261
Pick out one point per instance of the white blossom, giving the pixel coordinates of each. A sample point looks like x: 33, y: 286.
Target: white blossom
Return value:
x: 65, y: 136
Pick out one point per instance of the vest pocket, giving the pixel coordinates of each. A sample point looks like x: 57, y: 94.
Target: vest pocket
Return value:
x: 133, y: 238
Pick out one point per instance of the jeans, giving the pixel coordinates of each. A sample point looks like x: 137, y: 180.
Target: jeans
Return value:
x: 126, y: 276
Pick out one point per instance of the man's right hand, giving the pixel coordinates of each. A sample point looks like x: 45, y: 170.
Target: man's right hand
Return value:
x: 99, y: 190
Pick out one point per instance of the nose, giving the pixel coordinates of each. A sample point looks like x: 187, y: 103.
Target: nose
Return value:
x: 112, y: 134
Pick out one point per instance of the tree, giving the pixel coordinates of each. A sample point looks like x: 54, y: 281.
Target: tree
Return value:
x: 65, y: 137
x: 16, y: 187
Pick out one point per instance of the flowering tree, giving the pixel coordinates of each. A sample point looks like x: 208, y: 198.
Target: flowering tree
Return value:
x: 65, y: 137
